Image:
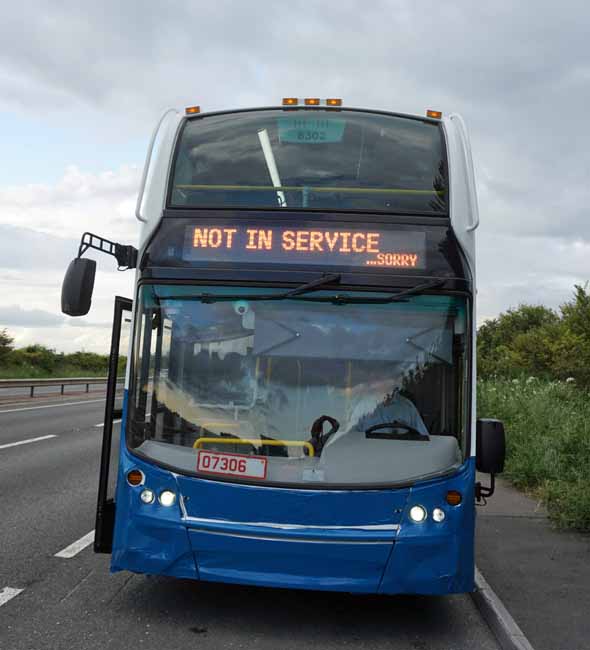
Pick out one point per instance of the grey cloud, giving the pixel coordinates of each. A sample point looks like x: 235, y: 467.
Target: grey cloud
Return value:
x: 23, y: 248
x: 538, y: 270
x: 519, y: 73
x: 82, y: 323
x: 14, y: 315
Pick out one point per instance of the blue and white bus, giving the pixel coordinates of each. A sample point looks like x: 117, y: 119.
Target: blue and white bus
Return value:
x: 299, y: 405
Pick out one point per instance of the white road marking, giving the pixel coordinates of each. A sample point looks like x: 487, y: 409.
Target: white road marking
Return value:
x: 79, y: 545
x: 101, y: 424
x: 26, y: 442
x: 8, y: 593
x: 51, y: 406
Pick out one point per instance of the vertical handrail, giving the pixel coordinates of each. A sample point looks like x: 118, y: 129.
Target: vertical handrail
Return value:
x: 468, y: 160
x: 100, y: 545
x: 146, y: 166
x: 271, y: 165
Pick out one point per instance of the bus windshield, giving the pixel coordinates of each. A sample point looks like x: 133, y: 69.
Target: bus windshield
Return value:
x: 311, y: 159
x: 316, y: 392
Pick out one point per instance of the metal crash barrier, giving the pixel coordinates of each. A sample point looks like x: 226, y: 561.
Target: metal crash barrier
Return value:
x: 31, y: 384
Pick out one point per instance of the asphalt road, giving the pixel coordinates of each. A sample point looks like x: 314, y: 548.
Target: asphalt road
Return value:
x: 47, y: 500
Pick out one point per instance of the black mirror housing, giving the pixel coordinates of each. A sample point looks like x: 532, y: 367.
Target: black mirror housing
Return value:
x: 76, y: 290
x: 490, y: 448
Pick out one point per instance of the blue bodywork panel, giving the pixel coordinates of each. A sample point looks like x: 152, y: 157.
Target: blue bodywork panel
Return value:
x: 318, y: 539
x: 431, y: 557
x: 341, y: 540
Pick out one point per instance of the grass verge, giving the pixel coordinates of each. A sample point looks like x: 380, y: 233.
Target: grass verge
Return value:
x: 548, y: 442
x: 31, y: 372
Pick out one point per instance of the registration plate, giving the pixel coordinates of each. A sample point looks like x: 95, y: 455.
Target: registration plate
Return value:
x: 214, y: 462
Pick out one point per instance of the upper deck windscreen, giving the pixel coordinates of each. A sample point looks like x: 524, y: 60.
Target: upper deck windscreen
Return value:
x: 311, y: 159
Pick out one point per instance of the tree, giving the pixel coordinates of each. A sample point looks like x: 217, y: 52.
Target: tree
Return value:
x: 576, y: 313
x: 536, y: 341
x: 517, y: 341
x: 6, y: 342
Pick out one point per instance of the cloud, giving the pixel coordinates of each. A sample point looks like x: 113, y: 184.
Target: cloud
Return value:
x: 33, y: 260
x: 32, y: 266
x: 104, y: 71
x: 25, y: 248
x: 16, y: 315
x: 79, y: 201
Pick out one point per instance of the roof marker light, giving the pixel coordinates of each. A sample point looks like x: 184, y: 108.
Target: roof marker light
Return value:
x: 192, y: 110
x: 290, y: 101
x: 312, y: 101
x: 332, y: 101
x: 434, y: 114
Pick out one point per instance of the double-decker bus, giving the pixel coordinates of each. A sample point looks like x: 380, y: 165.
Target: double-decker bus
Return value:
x: 299, y: 404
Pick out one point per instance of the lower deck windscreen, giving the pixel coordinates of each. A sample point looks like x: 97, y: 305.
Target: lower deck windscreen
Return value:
x: 298, y: 392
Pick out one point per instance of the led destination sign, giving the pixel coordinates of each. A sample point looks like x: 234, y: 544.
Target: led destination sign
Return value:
x: 289, y: 245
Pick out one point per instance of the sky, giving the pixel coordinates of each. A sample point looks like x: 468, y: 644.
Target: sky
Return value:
x: 83, y: 83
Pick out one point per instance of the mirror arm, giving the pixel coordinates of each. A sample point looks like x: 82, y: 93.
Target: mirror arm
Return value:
x: 126, y: 256
x: 482, y: 492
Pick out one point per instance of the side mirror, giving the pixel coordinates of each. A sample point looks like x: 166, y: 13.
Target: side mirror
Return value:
x: 76, y: 290
x: 490, y: 449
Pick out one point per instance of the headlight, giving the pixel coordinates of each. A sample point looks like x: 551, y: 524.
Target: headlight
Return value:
x: 438, y: 515
x: 147, y: 496
x: 167, y: 498
x: 418, y: 514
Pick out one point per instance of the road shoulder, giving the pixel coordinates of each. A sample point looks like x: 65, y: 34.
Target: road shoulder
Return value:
x: 539, y: 573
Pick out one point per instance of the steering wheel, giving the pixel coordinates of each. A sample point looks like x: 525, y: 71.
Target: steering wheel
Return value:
x: 318, y: 437
x: 411, y: 433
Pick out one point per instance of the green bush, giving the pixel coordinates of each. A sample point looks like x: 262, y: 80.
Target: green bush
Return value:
x: 35, y: 356
x: 38, y: 361
x: 535, y: 340
x: 548, y: 442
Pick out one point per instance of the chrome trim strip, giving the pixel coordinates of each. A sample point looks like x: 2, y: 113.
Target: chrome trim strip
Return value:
x: 302, y: 527
x: 182, y: 506
x: 296, y: 540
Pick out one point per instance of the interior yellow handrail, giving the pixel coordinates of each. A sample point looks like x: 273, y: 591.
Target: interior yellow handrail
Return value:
x: 256, y: 443
x: 299, y: 188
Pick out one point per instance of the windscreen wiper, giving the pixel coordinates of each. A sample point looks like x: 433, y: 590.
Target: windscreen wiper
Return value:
x: 400, y: 296
x: 326, y: 278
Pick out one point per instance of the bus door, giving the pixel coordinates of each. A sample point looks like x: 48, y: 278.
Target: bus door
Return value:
x: 105, y: 507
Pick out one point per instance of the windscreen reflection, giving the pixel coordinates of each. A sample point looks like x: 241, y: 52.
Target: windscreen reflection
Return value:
x: 320, y: 159
x: 314, y: 388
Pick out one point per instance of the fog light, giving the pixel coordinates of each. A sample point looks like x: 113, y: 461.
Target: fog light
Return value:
x: 147, y: 496
x: 167, y: 498
x: 417, y: 514
x: 438, y: 515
